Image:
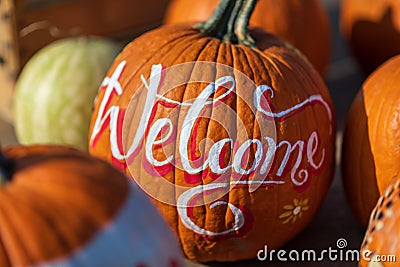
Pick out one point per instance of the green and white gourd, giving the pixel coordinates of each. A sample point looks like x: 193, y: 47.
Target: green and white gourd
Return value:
x: 56, y: 90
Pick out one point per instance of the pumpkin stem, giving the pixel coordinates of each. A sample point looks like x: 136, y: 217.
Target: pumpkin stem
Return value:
x: 6, y: 167
x: 230, y: 21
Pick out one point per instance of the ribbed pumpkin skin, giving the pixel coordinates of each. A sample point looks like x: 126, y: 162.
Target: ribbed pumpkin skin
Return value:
x: 372, y: 29
x: 370, y: 145
x: 55, y: 92
x: 383, y: 234
x: 264, y: 210
x: 304, y: 24
x: 66, y: 208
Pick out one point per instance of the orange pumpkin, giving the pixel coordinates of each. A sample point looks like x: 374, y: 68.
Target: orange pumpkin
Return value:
x: 235, y: 145
x: 372, y: 30
x: 370, y: 144
x: 304, y: 24
x: 380, y: 247
x: 61, y: 207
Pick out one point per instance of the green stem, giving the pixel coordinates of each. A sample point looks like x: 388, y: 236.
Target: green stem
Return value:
x: 6, y: 168
x: 230, y: 21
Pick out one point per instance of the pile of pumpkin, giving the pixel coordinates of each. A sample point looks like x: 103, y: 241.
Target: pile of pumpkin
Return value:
x: 157, y: 117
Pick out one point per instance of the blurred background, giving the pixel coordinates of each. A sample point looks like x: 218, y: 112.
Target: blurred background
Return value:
x: 334, y: 220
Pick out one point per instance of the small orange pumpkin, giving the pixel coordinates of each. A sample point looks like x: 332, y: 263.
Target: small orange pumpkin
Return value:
x: 381, y: 244
x: 304, y: 24
x: 61, y: 207
x: 235, y: 145
x: 371, y: 152
x: 372, y: 30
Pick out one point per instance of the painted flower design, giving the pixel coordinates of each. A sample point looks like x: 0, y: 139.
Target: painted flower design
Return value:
x: 294, y: 211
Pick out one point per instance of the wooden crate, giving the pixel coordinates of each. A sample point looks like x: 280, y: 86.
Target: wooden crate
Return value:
x: 118, y: 19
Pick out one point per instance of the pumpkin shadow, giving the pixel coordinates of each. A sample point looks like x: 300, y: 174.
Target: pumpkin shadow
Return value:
x: 382, y: 43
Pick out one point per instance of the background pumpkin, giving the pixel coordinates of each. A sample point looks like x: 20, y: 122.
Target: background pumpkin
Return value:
x: 62, y: 207
x: 55, y: 92
x: 382, y: 237
x: 41, y: 23
x: 234, y: 226
x: 370, y: 144
x: 372, y: 30
x: 304, y: 24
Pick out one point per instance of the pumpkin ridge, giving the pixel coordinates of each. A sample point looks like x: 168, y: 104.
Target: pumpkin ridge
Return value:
x: 229, y: 195
x: 207, y: 50
x: 183, y: 46
x: 380, y: 124
x: 363, y: 204
x: 236, y: 64
x: 265, y: 80
x: 250, y: 73
x: 311, y: 36
x: 234, y: 197
x: 119, y: 231
x: 315, y: 117
x: 20, y: 184
x: 224, y: 209
x: 23, y: 207
x: 178, y: 44
x: 175, y: 45
x: 11, y: 236
x: 151, y: 56
x: 377, y: 114
x: 145, y: 64
x: 266, y: 66
x: 45, y: 200
x: 3, y: 242
x: 253, y: 61
x: 4, y: 254
x: 181, y: 227
x: 127, y: 51
x: 391, y: 102
x: 229, y: 47
x: 354, y: 148
x: 56, y: 206
x: 165, y: 46
x: 376, y: 110
x: 207, y: 210
x: 184, y: 40
x: 269, y: 57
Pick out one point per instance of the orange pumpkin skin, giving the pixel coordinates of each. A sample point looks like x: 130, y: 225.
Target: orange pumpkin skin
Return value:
x: 372, y: 30
x: 64, y: 207
x: 274, y: 213
x: 370, y: 144
x: 381, y: 241
x: 304, y: 24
